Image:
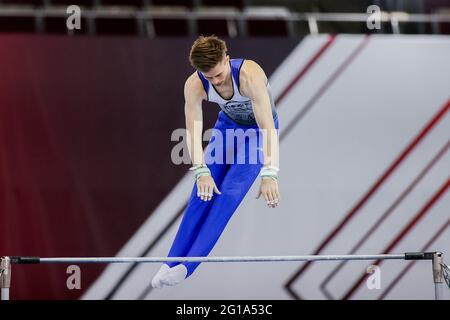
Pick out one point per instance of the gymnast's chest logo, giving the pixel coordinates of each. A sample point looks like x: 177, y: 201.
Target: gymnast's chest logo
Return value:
x: 238, y: 107
x: 240, y: 110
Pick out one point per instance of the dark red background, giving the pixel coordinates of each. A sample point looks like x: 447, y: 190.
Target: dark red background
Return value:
x: 85, y: 127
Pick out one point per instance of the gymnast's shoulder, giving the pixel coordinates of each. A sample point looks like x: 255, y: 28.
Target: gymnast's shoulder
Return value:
x: 250, y: 72
x: 193, y: 88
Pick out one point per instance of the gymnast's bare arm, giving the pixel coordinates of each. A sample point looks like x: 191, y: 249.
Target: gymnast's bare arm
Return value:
x: 193, y: 95
x: 253, y: 84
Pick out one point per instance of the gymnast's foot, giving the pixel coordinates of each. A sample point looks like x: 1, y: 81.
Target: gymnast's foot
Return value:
x: 157, y: 279
x: 174, y: 275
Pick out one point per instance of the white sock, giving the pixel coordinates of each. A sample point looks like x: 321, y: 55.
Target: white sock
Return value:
x: 156, y: 281
x: 174, y: 275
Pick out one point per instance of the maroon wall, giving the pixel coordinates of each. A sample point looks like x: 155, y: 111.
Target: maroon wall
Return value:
x: 85, y: 126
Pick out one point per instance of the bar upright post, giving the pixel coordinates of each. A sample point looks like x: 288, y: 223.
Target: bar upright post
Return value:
x: 5, y: 277
x: 438, y: 275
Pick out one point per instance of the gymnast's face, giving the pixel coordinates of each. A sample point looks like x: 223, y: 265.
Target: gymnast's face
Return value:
x: 220, y: 73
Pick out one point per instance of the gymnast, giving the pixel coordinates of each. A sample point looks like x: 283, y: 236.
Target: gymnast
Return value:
x: 226, y: 168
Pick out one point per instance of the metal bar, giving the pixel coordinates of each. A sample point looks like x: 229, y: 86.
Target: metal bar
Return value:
x: 438, y: 275
x: 312, y: 24
x: 362, y: 17
x: 436, y: 257
x: 192, y: 27
x: 232, y: 28
x: 5, y: 294
x: 395, y: 25
x: 403, y: 256
x: 140, y: 24
x: 293, y: 16
x: 5, y: 277
x: 290, y: 28
x: 242, y: 25
x: 217, y: 259
x: 39, y: 22
x: 439, y: 291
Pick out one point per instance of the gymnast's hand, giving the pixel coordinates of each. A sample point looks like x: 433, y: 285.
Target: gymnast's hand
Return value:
x: 269, y: 190
x: 205, y: 187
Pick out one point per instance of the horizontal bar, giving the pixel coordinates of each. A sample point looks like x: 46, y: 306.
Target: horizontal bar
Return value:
x: 28, y: 260
x: 24, y: 260
x: 420, y: 255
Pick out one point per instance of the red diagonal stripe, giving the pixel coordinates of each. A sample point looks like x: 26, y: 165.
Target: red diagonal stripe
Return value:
x: 386, y: 214
x: 402, y: 234
x: 371, y: 191
x: 305, y: 69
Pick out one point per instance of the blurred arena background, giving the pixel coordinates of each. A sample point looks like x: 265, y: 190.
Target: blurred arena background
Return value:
x: 86, y: 123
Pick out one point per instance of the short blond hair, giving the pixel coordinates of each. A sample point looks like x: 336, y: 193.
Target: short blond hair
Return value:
x: 207, y: 52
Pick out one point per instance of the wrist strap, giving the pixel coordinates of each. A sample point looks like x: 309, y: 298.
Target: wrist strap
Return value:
x: 269, y: 172
x: 200, y: 170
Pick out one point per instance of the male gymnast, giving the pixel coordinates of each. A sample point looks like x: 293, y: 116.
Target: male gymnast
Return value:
x: 241, y: 89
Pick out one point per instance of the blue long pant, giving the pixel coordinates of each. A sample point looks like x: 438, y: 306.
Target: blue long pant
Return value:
x: 204, y: 221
